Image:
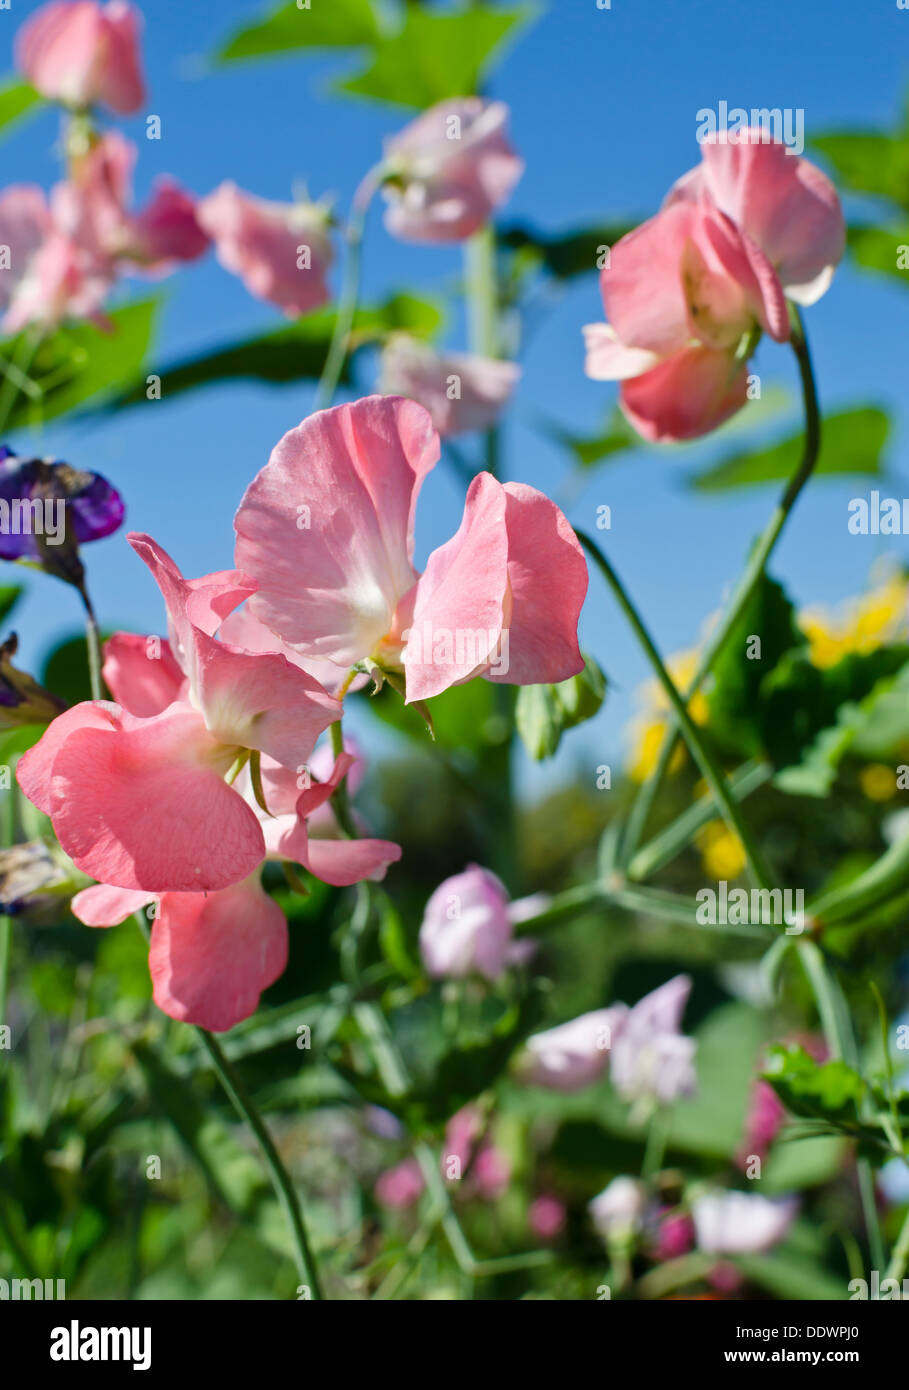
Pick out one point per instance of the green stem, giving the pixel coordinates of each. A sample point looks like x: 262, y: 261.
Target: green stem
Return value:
x: 840, y: 1039
x: 646, y: 798
x: 340, y: 799
x: 700, y: 751
x: 664, y: 847
x: 284, y: 1188
x: 93, y: 646
x: 350, y: 291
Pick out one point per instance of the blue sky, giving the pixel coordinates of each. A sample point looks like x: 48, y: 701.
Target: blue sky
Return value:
x: 604, y: 110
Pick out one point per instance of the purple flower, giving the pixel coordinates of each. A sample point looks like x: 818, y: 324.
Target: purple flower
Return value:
x: 49, y: 509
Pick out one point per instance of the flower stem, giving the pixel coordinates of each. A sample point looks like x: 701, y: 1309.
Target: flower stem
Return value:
x: 350, y: 291
x: 757, y: 562
x: 700, y: 751
x: 281, y: 1181
x: 93, y: 646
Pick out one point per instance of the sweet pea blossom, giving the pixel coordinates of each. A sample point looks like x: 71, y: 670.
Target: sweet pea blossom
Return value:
x: 741, y: 1223
x: 681, y: 293
x: 327, y: 531
x: 79, y: 52
x: 211, y: 954
x: 281, y: 251
x: 45, y: 504
x: 547, y: 1216
x: 651, y: 1060
x: 784, y: 204
x: 467, y: 928
x: 49, y: 277
x: 449, y: 170
x: 92, y: 209
x: 688, y: 293
x: 462, y: 392
x: 470, y: 1162
x: 143, y: 802
x: 574, y: 1054
x: 618, y: 1212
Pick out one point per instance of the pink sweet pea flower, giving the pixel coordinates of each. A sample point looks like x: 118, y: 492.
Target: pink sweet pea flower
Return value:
x: 681, y: 293
x: 49, y: 277
x: 741, y: 1223
x: 449, y: 170
x: 684, y: 292
x: 460, y: 391
x: 142, y: 803
x: 81, y: 52
x: 281, y: 251
x: 326, y: 529
x: 211, y: 955
x: 572, y: 1055
x: 501, y: 599
x: 783, y: 203
x: 547, y: 1216
x: 467, y: 928
x: 651, y: 1060
x: 292, y: 797
x: 401, y: 1186
x: 763, y: 1122
x: 142, y: 673
x: 92, y: 208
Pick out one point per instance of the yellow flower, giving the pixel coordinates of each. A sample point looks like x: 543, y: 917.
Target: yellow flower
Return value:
x: 878, y: 782
x: 722, y: 852
x: 649, y: 728
x: 860, y: 625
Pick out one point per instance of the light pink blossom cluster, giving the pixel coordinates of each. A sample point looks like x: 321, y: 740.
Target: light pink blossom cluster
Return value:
x: 177, y: 793
x: 66, y: 250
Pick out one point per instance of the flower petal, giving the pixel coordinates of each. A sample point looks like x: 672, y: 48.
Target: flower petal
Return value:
x: 212, y: 954
x: 141, y: 673
x: 146, y: 806
x: 326, y: 528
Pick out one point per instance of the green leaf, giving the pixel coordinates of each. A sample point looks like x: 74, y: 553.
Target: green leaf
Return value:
x: 810, y: 717
x: 325, y: 24
x: 234, y: 1175
x: 17, y: 100
x: 789, y: 1278
x: 735, y: 700
x: 544, y: 712
x: 565, y: 254
x: 829, y: 1091
x: 436, y: 55
x: 852, y: 442
x: 9, y: 597
x: 868, y: 162
x: 65, y: 670
x: 294, y: 353
x: 464, y: 717
x: 81, y: 363
x: 884, y: 249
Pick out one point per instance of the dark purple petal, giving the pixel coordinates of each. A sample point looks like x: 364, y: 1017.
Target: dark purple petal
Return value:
x: 92, y: 507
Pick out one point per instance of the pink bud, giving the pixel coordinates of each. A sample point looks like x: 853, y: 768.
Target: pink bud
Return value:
x: 83, y: 53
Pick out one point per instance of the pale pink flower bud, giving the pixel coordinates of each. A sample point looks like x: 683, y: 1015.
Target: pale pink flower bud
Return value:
x: 574, y: 1054
x: 82, y: 53
x: 451, y: 168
